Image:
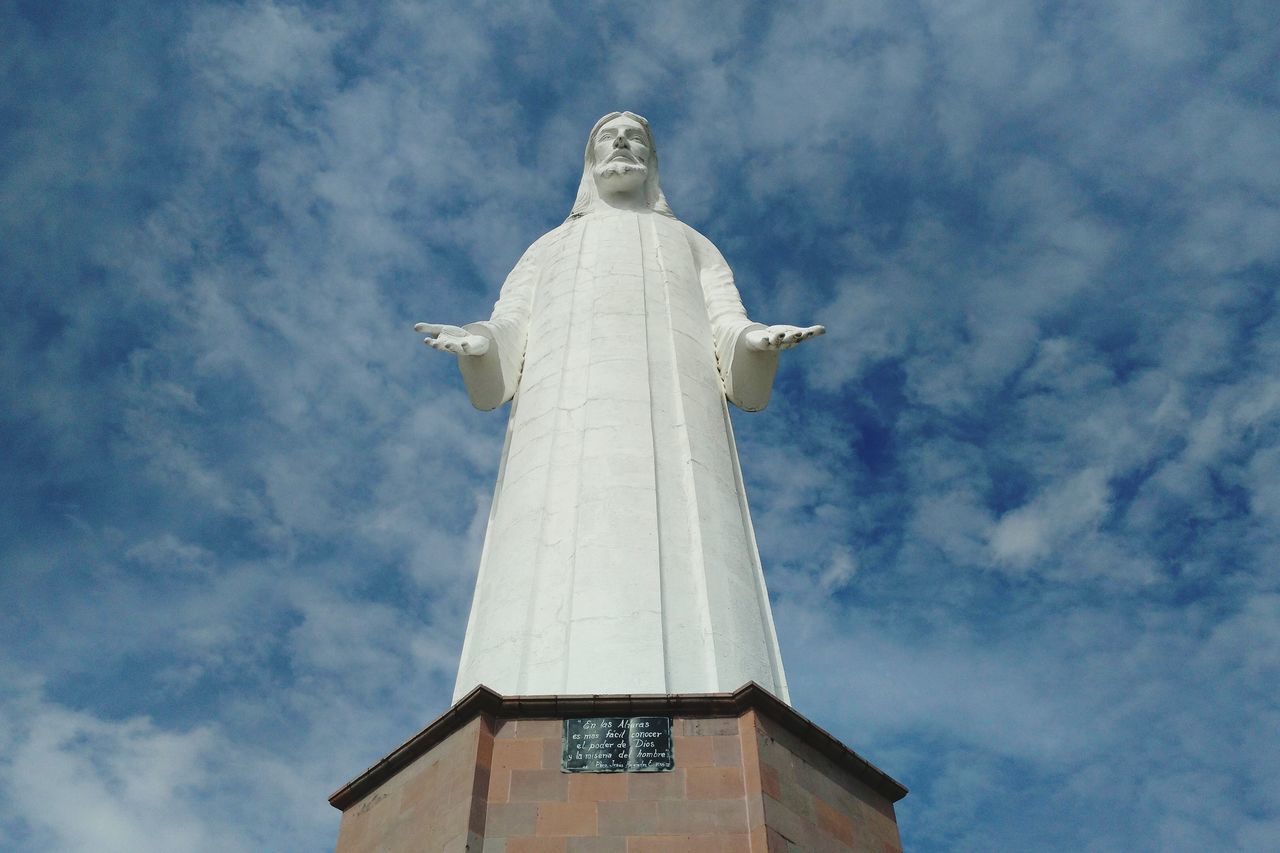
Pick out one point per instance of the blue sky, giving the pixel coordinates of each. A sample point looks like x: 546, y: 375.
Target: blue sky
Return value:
x: 1019, y: 509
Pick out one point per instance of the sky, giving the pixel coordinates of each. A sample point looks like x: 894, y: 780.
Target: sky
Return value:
x: 1019, y: 509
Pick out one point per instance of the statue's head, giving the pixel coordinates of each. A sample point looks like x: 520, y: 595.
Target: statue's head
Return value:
x: 620, y: 158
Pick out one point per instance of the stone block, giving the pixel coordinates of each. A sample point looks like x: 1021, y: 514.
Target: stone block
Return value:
x: 598, y: 787
x: 552, y: 752
x: 656, y: 786
x: 770, y: 784
x: 566, y: 819
x: 755, y: 811
x: 505, y: 820
x: 535, y: 845
x: 726, y: 751
x: 775, y: 842
x: 795, y: 828
x: 833, y: 822
x: 538, y: 786
x: 499, y: 786
x: 702, y: 817
x: 693, y: 751
x: 709, y: 726
x: 597, y: 844
x: 689, y: 844
x: 423, y: 787
x: 480, y: 782
x: 749, y: 747
x: 631, y: 817
x: 517, y: 755
x: 714, y: 783
x: 465, y: 843
x: 796, y: 797
x: 539, y: 729
x: 478, y: 812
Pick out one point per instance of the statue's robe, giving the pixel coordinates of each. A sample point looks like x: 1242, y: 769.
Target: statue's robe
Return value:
x: 619, y: 556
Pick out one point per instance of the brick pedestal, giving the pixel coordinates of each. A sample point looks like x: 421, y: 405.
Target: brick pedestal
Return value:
x: 751, y: 775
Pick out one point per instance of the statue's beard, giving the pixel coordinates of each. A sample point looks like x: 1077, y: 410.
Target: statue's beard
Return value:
x: 624, y: 169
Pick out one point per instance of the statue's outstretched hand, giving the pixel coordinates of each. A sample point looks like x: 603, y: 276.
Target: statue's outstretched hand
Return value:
x: 781, y: 337
x: 453, y: 339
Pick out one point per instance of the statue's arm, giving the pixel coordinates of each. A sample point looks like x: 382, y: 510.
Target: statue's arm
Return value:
x: 491, y: 352
x: 492, y: 379
x: 747, y: 372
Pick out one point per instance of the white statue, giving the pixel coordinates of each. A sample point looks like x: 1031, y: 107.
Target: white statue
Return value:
x: 619, y: 556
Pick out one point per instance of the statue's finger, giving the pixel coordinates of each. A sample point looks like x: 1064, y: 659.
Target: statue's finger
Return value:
x: 428, y: 328
x: 817, y: 330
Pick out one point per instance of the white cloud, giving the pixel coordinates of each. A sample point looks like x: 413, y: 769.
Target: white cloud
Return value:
x: 77, y: 782
x: 1062, y: 512
x: 264, y: 45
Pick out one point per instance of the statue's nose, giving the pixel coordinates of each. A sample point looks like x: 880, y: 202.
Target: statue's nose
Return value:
x: 620, y: 141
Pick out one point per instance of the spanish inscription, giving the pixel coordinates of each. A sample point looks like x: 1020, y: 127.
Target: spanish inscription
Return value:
x: 617, y: 745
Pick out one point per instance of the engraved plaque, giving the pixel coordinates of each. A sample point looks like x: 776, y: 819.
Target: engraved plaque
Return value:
x: 617, y: 745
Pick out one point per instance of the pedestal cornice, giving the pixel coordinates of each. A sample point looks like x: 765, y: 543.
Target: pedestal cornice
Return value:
x: 749, y: 697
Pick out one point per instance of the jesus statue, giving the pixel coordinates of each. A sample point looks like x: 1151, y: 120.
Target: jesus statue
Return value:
x: 619, y: 556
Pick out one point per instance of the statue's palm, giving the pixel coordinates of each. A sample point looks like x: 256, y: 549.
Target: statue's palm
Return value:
x: 453, y: 339
x: 782, y: 337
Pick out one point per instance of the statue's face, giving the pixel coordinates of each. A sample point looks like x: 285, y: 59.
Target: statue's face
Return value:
x: 622, y: 154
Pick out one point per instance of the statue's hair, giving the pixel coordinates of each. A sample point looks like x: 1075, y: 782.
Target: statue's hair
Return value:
x: 589, y: 198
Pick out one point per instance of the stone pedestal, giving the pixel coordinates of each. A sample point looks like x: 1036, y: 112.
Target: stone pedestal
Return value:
x: 750, y: 775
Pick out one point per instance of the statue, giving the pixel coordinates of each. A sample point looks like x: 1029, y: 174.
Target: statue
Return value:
x: 619, y: 555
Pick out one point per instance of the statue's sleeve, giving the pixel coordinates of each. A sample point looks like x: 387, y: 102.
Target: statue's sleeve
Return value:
x: 492, y: 378
x: 747, y: 374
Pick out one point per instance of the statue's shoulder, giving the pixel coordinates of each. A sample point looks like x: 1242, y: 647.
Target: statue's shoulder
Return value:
x: 703, y: 249
x: 693, y: 233
x: 552, y: 238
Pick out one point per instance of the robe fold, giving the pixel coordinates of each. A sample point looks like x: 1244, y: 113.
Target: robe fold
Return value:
x: 619, y: 555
